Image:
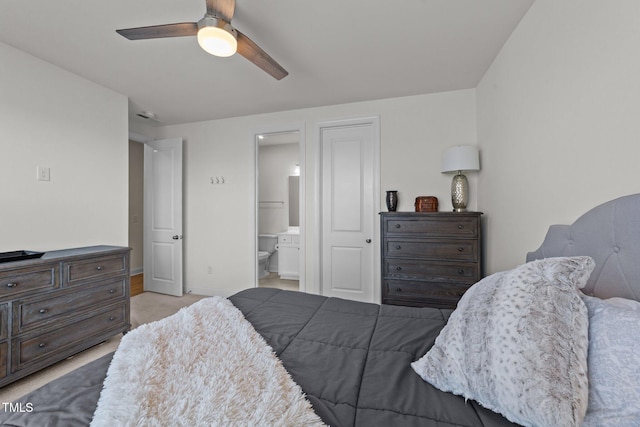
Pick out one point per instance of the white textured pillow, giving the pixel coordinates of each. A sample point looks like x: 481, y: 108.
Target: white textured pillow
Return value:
x: 614, y: 362
x: 517, y: 344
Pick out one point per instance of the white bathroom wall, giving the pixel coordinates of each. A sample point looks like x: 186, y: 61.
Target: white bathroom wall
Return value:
x: 276, y: 164
x: 558, y: 123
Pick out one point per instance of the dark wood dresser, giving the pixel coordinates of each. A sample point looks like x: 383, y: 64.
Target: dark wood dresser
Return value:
x: 429, y: 258
x: 60, y: 304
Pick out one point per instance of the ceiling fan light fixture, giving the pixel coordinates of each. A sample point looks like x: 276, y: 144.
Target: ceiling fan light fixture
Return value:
x: 217, y: 37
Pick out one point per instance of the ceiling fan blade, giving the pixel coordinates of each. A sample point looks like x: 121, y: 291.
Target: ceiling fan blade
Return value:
x: 222, y: 8
x: 251, y: 51
x: 159, y: 31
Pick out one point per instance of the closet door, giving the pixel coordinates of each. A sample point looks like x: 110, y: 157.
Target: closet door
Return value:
x: 349, y: 170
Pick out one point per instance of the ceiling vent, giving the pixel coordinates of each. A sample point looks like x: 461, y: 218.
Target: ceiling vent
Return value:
x: 147, y: 115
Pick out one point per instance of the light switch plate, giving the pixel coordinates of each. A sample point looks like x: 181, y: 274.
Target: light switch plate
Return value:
x: 44, y: 173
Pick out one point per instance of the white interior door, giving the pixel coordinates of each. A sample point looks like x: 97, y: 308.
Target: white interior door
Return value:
x: 348, y: 193
x: 163, y: 216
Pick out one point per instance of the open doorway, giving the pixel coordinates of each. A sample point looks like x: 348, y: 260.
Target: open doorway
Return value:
x: 155, y: 215
x: 279, y: 234
x: 136, y: 215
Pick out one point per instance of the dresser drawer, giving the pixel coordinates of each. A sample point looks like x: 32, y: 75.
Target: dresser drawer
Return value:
x: 4, y: 347
x: 37, y: 312
x: 461, y: 250
x: 432, y: 227
x: 448, y: 294
x: 94, y: 268
x: 4, y: 321
x: 23, y: 280
x: 29, y: 350
x: 440, y: 272
x: 289, y: 238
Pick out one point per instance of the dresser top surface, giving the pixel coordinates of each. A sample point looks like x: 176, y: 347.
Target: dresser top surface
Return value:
x: 57, y: 255
x: 427, y: 214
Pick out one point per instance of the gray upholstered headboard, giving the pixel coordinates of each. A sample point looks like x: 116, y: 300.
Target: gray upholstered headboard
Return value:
x: 610, y: 234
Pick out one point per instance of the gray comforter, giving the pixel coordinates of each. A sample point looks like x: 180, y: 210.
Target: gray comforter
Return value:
x: 351, y: 359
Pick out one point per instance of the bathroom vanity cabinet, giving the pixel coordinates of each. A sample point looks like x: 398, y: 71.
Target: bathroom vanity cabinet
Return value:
x: 60, y: 304
x: 289, y: 256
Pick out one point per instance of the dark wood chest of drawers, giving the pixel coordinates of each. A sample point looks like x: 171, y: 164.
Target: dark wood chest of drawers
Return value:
x: 429, y: 259
x: 59, y: 305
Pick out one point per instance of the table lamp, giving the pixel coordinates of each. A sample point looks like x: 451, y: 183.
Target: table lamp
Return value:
x: 458, y: 159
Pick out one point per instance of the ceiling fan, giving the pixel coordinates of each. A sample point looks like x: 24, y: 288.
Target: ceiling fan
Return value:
x: 215, y: 35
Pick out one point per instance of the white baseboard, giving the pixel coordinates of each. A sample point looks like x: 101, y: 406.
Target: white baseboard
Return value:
x: 207, y: 291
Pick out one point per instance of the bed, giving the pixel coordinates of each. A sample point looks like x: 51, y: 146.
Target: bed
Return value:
x: 537, y: 345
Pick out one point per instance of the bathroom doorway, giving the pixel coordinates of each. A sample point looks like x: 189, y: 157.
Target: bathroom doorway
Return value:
x: 279, y: 206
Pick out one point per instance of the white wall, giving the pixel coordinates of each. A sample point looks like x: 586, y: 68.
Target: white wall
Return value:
x: 558, y: 121
x: 276, y: 164
x: 50, y: 117
x: 219, y: 227
x: 557, y: 126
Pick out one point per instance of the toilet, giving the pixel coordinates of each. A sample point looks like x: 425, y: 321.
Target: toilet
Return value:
x: 266, y: 248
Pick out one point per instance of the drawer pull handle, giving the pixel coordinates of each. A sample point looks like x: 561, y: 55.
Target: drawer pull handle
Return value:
x: 112, y: 318
x: 398, y: 289
x: 41, y: 345
x: 398, y: 225
x: 460, y: 226
x: 398, y: 268
x: 460, y: 249
x: 398, y: 247
x: 42, y: 311
x: 461, y: 271
x: 11, y: 285
x: 112, y: 291
x: 99, y: 268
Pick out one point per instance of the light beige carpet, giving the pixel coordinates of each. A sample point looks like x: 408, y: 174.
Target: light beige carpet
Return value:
x: 146, y: 307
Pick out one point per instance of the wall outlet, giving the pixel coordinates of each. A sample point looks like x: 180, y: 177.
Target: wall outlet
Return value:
x: 44, y: 173
x: 209, y: 270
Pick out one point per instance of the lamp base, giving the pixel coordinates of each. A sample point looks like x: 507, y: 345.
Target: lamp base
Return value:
x: 459, y: 192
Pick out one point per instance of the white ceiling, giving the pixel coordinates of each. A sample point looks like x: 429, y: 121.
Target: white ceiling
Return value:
x: 336, y: 51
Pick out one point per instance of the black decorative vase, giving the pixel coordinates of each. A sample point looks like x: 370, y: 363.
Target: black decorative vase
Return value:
x: 392, y: 200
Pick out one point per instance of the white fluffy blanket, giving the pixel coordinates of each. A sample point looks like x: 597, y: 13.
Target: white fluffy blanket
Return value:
x: 203, y: 366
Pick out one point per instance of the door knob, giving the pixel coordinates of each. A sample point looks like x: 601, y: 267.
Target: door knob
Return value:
x: 368, y: 240
x: 177, y: 237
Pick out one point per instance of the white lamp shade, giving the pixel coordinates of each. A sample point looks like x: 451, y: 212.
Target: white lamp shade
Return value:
x: 217, y: 41
x: 460, y: 158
